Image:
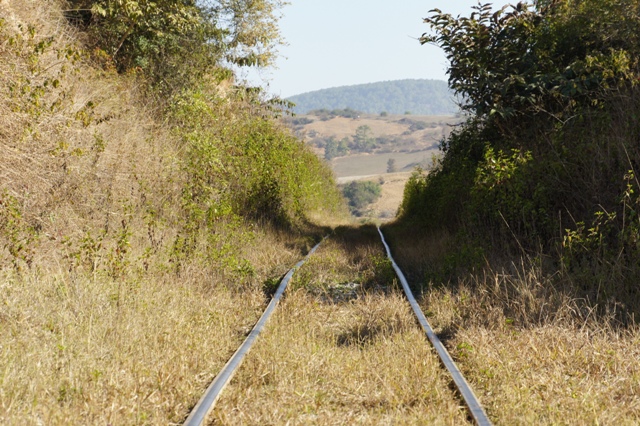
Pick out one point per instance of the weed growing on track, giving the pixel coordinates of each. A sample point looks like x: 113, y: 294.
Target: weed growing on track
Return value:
x: 363, y: 362
x: 343, y: 271
x: 331, y: 360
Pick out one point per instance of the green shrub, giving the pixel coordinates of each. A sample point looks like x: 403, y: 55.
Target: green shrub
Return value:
x: 547, y: 161
x: 362, y: 193
x: 241, y: 162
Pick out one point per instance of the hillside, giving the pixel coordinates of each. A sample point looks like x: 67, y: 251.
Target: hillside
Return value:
x: 365, y: 142
x: 141, y: 212
x: 421, y: 97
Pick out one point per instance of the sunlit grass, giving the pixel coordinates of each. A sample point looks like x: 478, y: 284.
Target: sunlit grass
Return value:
x: 326, y: 359
x: 531, y: 350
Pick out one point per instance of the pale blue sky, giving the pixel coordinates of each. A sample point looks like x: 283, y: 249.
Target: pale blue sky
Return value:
x: 343, y: 42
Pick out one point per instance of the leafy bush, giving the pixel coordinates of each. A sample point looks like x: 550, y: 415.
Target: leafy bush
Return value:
x: 362, y: 193
x: 175, y: 43
x: 550, y: 146
x: 242, y: 163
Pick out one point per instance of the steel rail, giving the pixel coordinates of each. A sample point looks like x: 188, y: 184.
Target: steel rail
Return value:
x: 476, y: 410
x: 205, y: 405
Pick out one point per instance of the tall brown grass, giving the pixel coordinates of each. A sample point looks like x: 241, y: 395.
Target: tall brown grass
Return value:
x: 332, y: 355
x: 97, y: 322
x: 532, y: 349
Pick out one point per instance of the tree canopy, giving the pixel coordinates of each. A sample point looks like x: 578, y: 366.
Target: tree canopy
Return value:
x: 176, y: 41
x: 543, y: 58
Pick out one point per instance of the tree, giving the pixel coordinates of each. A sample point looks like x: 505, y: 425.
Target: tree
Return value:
x: 537, y: 59
x: 544, y: 86
x: 361, y: 194
x: 251, y: 32
x: 333, y: 148
x: 177, y: 41
x: 391, y: 165
x: 363, y: 139
x: 343, y: 146
x: 330, y: 148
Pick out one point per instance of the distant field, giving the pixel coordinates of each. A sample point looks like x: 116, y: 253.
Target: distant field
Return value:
x: 400, y: 132
x: 389, y: 125
x: 411, y: 141
x: 375, y: 164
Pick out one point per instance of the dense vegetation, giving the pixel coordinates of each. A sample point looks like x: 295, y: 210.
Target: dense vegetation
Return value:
x: 234, y: 162
x: 177, y: 43
x: 145, y: 201
x: 360, y: 194
x: 422, y: 97
x: 546, y: 165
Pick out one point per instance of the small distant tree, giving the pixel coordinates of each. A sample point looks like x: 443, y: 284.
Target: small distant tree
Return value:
x: 391, y: 165
x: 334, y: 148
x: 343, y: 146
x: 361, y: 194
x: 330, y: 149
x: 383, y: 114
x: 363, y: 140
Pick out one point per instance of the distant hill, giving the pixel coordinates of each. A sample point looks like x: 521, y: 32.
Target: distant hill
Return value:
x: 422, y: 97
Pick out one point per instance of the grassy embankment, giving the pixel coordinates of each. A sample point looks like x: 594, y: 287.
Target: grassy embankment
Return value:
x: 524, y: 239
x: 530, y: 348
x: 137, y: 228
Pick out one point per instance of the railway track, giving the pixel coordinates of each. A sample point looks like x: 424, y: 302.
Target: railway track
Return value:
x: 207, y: 402
x: 202, y: 409
x: 475, y: 409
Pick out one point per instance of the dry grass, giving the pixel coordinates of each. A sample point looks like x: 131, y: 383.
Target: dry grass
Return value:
x: 340, y: 127
x: 77, y: 349
x: 326, y: 359
x: 363, y: 362
x: 82, y: 153
x: 98, y: 325
x: 554, y: 374
x: 532, y: 351
x: 86, y: 352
